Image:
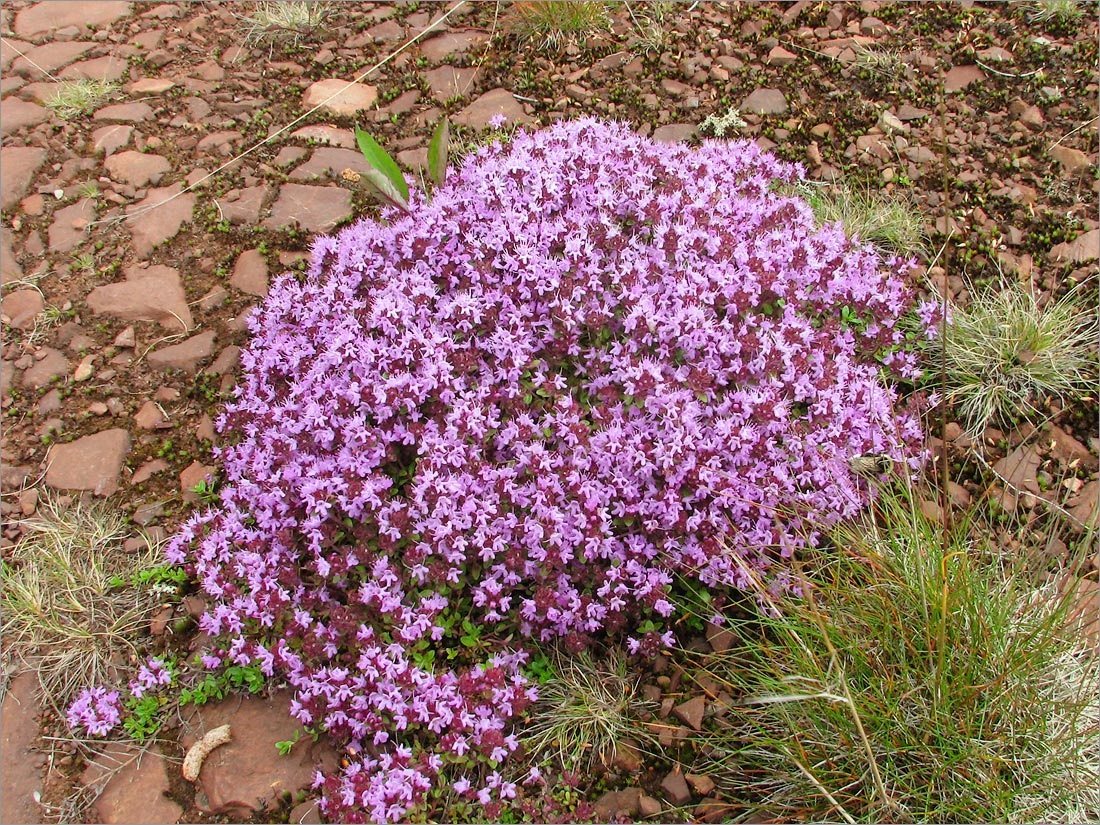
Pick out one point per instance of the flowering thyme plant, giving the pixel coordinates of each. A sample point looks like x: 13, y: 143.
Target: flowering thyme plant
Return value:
x: 590, y: 363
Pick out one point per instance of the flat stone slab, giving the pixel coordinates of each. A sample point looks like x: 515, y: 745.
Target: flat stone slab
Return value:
x: 49, y: 364
x: 1084, y: 248
x: 249, y: 273
x: 137, y: 168
x: 155, y: 294
x: 312, y: 208
x: 765, y: 102
x: 49, y: 58
x: 249, y: 773
x: 125, y: 113
x: 21, y: 777
x: 453, y: 42
x: 134, y: 783
x: 330, y: 161
x: 151, y: 226
x: 20, y: 308
x: 67, y: 231
x: 448, y: 82
x: 20, y: 163
x: 489, y: 105
x: 60, y: 14
x: 340, y: 97
x: 962, y: 76
x: 16, y: 114
x: 89, y: 463
x: 184, y: 356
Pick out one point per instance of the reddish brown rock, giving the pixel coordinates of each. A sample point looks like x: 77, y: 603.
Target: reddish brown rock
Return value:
x: 158, y: 217
x: 193, y: 475
x: 109, y: 139
x: 134, y: 784
x: 489, y: 105
x: 1068, y: 449
x: 125, y: 113
x: 765, y: 102
x: 1086, y: 507
x: 1083, y: 248
x: 250, y: 273
x: 89, y: 463
x: 16, y: 114
x: 137, y: 168
x: 184, y: 356
x: 330, y: 161
x: 452, y: 42
x: 448, y: 82
x: 622, y: 804
x: 242, y: 206
x: 49, y: 58
x: 108, y: 67
x: 155, y: 294
x: 49, y: 364
x: 691, y: 712
x: 21, y: 778
x: 312, y: 208
x: 962, y: 76
x: 20, y: 308
x: 150, y: 417
x: 700, y: 783
x: 674, y: 132
x: 20, y: 163
x: 61, y: 14
x: 1020, y: 469
x: 1072, y: 160
x: 676, y: 788
x: 68, y: 231
x: 340, y: 97
x: 249, y: 773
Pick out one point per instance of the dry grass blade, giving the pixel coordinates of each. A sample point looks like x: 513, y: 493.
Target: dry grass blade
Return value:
x: 283, y: 21
x: 70, y: 607
x: 585, y: 710
x: 552, y: 25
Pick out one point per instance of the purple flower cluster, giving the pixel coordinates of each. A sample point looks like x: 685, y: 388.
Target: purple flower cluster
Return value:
x: 95, y: 709
x: 591, y: 362
x: 151, y: 675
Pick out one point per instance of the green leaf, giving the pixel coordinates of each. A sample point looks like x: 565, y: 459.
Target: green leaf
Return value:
x: 384, y: 178
x: 437, y: 152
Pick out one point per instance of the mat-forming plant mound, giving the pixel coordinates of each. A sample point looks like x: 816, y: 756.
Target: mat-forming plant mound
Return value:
x: 590, y: 362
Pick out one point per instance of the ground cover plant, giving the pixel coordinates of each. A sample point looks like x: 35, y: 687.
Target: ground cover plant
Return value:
x: 980, y: 145
x: 593, y: 387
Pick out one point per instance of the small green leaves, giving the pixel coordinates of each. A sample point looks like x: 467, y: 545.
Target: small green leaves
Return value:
x: 384, y: 178
x: 437, y: 152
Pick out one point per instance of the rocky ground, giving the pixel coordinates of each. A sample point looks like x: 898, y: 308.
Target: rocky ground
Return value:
x: 137, y: 237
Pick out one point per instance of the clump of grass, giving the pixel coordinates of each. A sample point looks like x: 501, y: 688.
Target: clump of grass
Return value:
x: 918, y: 680
x: 71, y: 608
x: 552, y: 25
x: 585, y: 709
x: 82, y: 96
x: 1059, y: 11
x: 875, y: 217
x: 1005, y: 353
x: 650, y: 22
x: 283, y: 21
x: 884, y: 62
